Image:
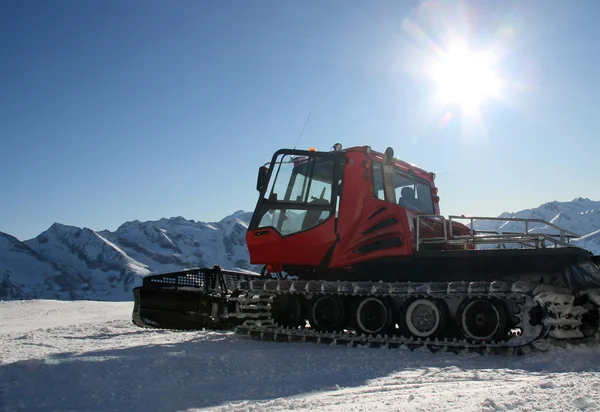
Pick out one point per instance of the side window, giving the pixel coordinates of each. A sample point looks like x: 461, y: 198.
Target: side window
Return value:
x: 413, y: 194
x: 377, y: 180
x: 425, y: 198
x: 285, y: 184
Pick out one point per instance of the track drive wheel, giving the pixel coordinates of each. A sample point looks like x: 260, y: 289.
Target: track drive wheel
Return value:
x: 286, y: 310
x: 327, y: 314
x: 373, y: 316
x: 590, y: 319
x: 481, y: 319
x: 424, y: 318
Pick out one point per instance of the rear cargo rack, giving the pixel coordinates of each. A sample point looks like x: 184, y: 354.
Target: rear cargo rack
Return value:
x: 524, y: 240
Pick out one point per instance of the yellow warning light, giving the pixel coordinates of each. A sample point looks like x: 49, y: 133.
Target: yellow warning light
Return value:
x: 312, y: 149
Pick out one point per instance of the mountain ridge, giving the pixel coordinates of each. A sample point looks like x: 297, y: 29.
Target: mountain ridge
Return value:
x: 68, y: 262
x: 80, y: 263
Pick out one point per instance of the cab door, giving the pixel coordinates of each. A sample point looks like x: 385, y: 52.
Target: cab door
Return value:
x: 294, y: 221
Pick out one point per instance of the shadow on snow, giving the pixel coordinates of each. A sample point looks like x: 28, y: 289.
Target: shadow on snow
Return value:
x: 215, y: 368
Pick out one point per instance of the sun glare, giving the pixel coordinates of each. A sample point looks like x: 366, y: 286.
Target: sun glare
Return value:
x: 465, y: 78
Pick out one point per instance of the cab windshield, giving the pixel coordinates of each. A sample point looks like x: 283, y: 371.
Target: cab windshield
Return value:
x: 299, y: 194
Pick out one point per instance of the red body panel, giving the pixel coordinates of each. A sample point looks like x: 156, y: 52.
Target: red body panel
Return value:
x: 355, y: 234
x: 362, y: 220
x: 267, y: 246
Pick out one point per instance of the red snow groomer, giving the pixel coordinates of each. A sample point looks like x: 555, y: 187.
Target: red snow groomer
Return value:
x: 355, y: 251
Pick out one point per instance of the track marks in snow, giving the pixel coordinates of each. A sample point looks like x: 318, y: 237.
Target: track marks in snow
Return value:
x: 467, y: 387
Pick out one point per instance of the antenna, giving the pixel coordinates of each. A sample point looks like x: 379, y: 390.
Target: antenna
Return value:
x: 303, y: 127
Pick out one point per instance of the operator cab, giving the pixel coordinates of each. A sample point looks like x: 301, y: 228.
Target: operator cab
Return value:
x: 299, y: 191
x: 302, y: 219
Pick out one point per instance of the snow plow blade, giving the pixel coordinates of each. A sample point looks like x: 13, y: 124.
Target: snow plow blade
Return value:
x: 199, y: 298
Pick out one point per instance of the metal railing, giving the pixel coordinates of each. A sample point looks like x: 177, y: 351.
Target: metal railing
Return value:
x: 487, y: 237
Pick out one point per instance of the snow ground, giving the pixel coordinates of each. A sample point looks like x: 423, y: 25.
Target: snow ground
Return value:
x: 87, y: 356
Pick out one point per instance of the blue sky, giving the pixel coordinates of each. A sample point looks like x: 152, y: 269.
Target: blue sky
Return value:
x: 113, y: 111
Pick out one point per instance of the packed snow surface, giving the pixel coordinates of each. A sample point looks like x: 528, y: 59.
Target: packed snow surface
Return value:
x: 87, y: 356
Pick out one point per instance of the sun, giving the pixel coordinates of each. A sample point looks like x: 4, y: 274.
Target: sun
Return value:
x: 465, y: 77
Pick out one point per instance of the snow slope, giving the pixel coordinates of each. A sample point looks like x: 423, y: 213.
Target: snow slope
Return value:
x: 94, y: 266
x: 87, y: 356
x: 23, y: 272
x: 590, y: 241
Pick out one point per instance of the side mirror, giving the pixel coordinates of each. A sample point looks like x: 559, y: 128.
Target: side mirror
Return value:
x: 262, y: 176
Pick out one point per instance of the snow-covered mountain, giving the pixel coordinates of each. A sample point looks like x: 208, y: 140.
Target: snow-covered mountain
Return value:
x: 67, y: 262
x: 91, y: 264
x: 580, y: 216
x: 23, y: 272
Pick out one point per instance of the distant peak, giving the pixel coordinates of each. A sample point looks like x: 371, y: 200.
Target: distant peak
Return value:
x: 128, y: 224
x: 173, y: 220
x: 9, y: 237
x: 59, y: 227
x: 237, y: 216
x: 551, y: 205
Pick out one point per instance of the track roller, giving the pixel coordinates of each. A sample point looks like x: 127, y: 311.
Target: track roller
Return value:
x: 328, y: 314
x: 373, y: 316
x: 286, y: 310
x: 482, y: 319
x: 424, y: 318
